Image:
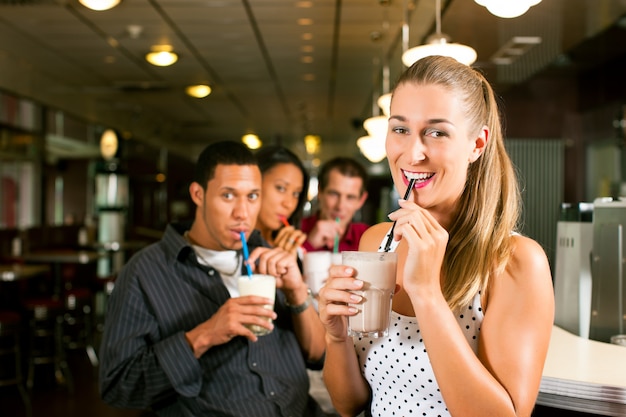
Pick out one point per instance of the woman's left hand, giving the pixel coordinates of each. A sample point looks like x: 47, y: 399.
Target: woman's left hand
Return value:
x: 426, y: 240
x: 279, y: 263
x: 290, y: 239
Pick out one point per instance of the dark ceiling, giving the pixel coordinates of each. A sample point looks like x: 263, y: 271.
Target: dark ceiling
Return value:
x: 90, y: 64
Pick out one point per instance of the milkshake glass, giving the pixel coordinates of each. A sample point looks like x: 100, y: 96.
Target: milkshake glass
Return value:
x: 377, y: 270
x: 315, y: 267
x: 263, y: 286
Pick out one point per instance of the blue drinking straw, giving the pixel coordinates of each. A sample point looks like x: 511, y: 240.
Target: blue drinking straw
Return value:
x: 245, y: 253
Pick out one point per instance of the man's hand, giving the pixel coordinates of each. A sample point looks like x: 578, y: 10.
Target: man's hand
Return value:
x: 323, y: 234
x: 230, y: 321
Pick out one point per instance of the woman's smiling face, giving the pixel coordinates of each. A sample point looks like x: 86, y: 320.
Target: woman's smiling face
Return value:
x: 429, y: 139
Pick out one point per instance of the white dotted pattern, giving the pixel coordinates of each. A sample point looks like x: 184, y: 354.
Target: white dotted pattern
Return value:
x: 398, y: 369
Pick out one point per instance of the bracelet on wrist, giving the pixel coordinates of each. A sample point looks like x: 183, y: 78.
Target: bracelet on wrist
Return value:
x: 301, y: 307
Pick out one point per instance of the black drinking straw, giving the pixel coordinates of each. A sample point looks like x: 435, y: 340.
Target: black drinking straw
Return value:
x: 406, y: 197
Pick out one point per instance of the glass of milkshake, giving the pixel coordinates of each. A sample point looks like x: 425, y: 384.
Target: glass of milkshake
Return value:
x: 377, y: 270
x: 315, y: 267
x: 263, y: 286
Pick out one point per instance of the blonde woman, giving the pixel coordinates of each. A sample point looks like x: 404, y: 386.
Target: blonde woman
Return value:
x: 473, y: 308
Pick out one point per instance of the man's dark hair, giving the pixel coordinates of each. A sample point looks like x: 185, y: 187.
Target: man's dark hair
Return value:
x: 346, y: 166
x: 221, y: 153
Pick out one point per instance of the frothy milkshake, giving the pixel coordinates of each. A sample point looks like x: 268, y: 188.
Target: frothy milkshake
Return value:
x: 377, y: 270
x: 263, y: 286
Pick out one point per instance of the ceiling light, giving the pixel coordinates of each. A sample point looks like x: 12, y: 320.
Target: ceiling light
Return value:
x: 99, y: 5
x: 376, y: 126
x: 198, y: 90
x: 512, y: 50
x: 384, y: 102
x: 162, y: 56
x: 108, y: 144
x: 373, y: 148
x: 508, y: 8
x: 312, y: 144
x: 439, y: 44
x: 252, y: 141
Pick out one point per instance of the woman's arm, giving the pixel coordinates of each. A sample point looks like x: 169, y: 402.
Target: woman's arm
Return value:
x: 347, y: 387
x: 513, y: 339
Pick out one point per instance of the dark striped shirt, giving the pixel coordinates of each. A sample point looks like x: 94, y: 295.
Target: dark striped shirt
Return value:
x: 146, y: 362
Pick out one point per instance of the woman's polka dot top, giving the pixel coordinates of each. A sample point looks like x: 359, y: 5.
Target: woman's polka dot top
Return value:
x: 398, y: 369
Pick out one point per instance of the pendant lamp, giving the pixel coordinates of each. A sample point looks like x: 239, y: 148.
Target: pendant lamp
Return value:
x: 439, y: 44
x: 99, y: 5
x: 372, y: 147
x: 508, y: 8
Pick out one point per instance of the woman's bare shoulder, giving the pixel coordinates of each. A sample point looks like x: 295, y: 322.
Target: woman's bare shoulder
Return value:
x: 527, y: 257
x: 373, y: 236
x: 526, y: 278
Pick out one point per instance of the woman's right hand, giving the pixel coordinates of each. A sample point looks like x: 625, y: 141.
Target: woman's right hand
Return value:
x: 290, y: 239
x: 333, y: 301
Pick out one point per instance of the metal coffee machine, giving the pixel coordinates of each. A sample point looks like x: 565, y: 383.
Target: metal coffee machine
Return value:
x: 608, y: 254
x: 589, y: 281
x: 572, y: 271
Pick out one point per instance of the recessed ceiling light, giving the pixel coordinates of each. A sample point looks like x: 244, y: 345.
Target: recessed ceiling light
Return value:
x: 305, y: 21
x: 312, y: 144
x: 252, y: 141
x: 514, y: 48
x: 308, y: 77
x: 306, y: 59
x: 304, y: 4
x: 307, y: 48
x: 307, y: 36
x: 162, y: 56
x: 198, y: 90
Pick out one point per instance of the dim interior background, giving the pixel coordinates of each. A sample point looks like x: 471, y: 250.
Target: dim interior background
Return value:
x: 283, y: 70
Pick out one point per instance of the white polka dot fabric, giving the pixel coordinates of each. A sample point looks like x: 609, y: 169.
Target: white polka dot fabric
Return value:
x: 398, y: 369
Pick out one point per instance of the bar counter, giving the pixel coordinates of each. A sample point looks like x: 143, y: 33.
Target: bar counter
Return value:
x: 584, y: 375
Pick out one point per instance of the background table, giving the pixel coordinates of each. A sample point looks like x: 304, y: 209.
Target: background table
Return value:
x: 56, y: 258
x: 584, y: 375
x: 12, y: 278
x: 18, y: 272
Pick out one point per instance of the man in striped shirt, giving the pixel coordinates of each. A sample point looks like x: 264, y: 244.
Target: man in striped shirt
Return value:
x: 175, y: 339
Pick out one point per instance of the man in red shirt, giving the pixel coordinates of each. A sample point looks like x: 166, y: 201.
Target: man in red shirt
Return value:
x: 341, y: 193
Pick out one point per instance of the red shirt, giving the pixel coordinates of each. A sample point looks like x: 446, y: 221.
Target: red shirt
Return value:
x: 349, y: 241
